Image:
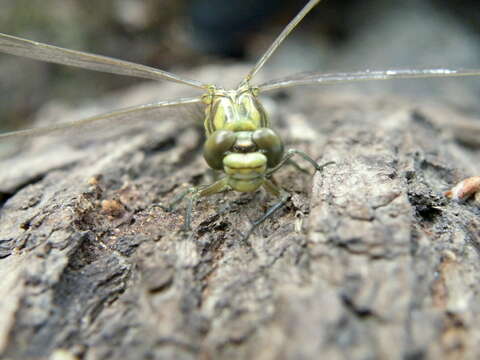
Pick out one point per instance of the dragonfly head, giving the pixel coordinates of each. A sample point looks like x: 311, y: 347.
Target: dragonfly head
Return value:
x: 244, y: 156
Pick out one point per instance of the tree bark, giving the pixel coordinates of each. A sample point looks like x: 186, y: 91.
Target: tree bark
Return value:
x: 368, y: 260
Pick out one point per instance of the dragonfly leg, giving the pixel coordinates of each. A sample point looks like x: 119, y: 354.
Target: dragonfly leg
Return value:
x: 290, y: 153
x: 193, y: 194
x: 297, y: 166
x: 177, y: 200
x: 277, y: 191
x: 274, y: 190
x: 199, y: 192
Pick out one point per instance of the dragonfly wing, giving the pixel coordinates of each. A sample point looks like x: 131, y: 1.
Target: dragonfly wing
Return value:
x: 130, y: 113
x: 288, y: 29
x: 54, y: 54
x: 328, y: 79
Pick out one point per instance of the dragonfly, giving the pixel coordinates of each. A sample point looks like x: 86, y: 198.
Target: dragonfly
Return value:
x: 240, y: 141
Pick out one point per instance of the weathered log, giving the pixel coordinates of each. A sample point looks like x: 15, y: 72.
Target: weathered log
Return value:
x: 367, y: 260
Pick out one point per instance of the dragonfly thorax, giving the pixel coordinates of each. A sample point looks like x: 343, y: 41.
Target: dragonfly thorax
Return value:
x: 233, y: 110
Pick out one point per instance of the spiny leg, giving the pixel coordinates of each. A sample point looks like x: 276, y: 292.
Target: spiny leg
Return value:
x: 290, y: 153
x: 208, y: 190
x: 195, y: 193
x: 297, y: 166
x: 276, y: 191
x: 177, y: 200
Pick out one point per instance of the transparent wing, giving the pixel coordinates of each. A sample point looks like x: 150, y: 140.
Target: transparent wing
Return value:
x: 327, y: 79
x: 285, y: 32
x: 130, y: 113
x: 49, y: 53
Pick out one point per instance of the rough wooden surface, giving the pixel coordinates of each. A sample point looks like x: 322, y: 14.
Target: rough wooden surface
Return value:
x: 367, y: 261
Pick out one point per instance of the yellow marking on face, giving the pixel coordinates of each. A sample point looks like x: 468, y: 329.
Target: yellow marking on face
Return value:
x: 255, y: 163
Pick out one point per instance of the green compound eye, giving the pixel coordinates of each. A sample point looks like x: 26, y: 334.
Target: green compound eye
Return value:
x: 215, y: 147
x: 268, y: 140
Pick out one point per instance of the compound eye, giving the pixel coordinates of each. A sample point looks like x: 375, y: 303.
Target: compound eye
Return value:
x: 217, y: 144
x: 268, y: 140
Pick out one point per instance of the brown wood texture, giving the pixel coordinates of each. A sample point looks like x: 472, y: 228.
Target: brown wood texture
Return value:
x: 367, y: 261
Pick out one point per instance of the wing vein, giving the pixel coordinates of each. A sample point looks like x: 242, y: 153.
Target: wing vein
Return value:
x: 114, y: 115
x: 35, y: 50
x: 368, y: 75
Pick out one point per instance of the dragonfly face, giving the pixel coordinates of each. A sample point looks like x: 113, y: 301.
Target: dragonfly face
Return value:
x: 240, y: 142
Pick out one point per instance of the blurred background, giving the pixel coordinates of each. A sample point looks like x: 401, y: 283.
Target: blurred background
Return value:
x: 181, y: 35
